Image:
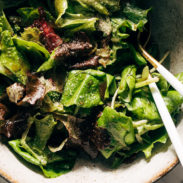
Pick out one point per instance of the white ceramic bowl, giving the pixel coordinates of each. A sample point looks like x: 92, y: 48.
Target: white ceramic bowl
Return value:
x: 167, y: 29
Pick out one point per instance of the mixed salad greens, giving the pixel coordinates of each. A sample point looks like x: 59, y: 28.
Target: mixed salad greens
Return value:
x: 72, y: 79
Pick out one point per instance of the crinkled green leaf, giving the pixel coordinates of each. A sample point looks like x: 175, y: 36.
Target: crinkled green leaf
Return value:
x: 117, y: 54
x: 76, y: 24
x: 91, y: 4
x: 81, y: 89
x: 127, y: 83
x: 12, y: 63
x: 162, y: 84
x: 105, y: 7
x: 104, y: 56
x: 143, y: 108
x: 109, y: 150
x: 87, y: 88
x: 4, y: 24
x: 56, y: 169
x: 44, y: 128
x: 119, y: 127
x: 17, y: 147
x: 144, y: 126
x: 173, y: 100
x: 136, y: 16
x: 148, y: 150
x: 30, y: 14
x: 35, y: 53
x: 180, y: 77
x: 51, y: 103
x: 138, y: 58
x: 76, y: 19
x: 129, y: 18
x: 57, y: 163
x: 60, y: 7
x: 49, y: 64
x: 159, y: 136
x: 31, y: 34
x: 111, y: 86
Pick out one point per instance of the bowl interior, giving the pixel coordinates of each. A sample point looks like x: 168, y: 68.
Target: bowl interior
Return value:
x: 167, y: 23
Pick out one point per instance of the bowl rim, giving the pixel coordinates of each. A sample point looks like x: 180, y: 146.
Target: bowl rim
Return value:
x: 164, y: 171
x: 154, y: 179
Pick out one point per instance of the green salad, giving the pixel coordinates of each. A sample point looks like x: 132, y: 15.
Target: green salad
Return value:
x: 73, y: 81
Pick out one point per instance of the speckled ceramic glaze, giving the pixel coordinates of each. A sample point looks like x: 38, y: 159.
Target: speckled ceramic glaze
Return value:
x: 167, y: 29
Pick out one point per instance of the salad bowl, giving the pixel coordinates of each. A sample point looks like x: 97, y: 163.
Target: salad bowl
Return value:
x: 166, y: 27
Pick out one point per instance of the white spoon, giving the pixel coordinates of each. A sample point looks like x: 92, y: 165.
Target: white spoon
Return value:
x: 174, y: 82
x: 167, y: 121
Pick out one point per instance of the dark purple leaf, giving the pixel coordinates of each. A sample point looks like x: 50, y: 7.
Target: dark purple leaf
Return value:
x: 90, y: 63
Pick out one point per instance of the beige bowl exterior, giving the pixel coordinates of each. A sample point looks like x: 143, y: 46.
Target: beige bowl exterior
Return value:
x: 167, y: 28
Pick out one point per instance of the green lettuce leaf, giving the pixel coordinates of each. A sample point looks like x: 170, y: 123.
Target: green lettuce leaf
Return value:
x: 53, y: 170
x: 87, y: 88
x: 127, y: 83
x: 173, y: 100
x: 57, y: 163
x: 142, y: 107
x: 4, y: 24
x: 49, y: 64
x: 162, y: 84
x: 31, y: 34
x: 17, y: 147
x: 159, y: 136
x: 135, y: 16
x: 144, y: 126
x: 34, y: 150
x: 30, y: 14
x: 129, y: 18
x: 12, y: 63
x: 60, y: 7
x: 35, y: 53
x: 180, y: 77
x: 75, y: 24
x: 76, y: 18
x: 104, y: 7
x: 108, y: 151
x: 111, y: 86
x: 44, y: 128
x: 120, y: 129
x: 137, y: 57
x: 81, y: 89
x: 51, y: 103
x: 148, y: 149
x: 124, y: 23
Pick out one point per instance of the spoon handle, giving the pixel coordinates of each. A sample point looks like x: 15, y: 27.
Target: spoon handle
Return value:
x: 167, y: 121
x: 174, y: 82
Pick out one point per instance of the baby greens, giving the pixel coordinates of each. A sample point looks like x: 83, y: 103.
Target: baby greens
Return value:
x: 72, y: 79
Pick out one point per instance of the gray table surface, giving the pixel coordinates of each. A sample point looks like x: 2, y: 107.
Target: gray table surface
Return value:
x: 175, y: 176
